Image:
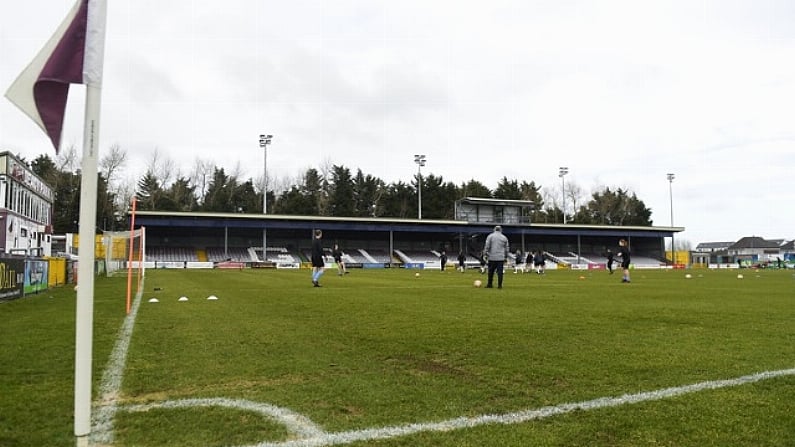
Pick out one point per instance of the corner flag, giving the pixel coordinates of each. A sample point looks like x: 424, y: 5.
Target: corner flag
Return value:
x: 73, y: 55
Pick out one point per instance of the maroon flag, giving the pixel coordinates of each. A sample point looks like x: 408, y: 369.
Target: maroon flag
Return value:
x: 73, y: 55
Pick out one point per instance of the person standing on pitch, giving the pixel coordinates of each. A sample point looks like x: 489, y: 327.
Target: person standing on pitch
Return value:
x: 462, y: 259
x: 317, y: 258
x: 518, y: 261
x: 496, y: 251
x: 528, y: 262
x: 443, y: 259
x: 610, y: 259
x: 623, y: 253
x: 337, y: 254
x: 539, y: 262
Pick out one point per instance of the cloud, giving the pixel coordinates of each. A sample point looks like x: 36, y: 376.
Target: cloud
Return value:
x: 622, y: 92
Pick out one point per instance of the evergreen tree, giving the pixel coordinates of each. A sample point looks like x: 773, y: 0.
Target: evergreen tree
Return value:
x: 182, y: 196
x: 532, y: 193
x: 149, y: 193
x: 619, y: 207
x: 367, y: 193
x: 474, y: 188
x: 508, y: 189
x: 400, y: 200
x: 245, y: 199
x: 341, y: 192
x: 218, y: 198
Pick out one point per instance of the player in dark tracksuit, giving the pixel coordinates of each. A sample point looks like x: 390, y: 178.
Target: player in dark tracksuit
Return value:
x: 462, y: 258
x: 623, y: 253
x: 610, y: 259
x: 317, y: 258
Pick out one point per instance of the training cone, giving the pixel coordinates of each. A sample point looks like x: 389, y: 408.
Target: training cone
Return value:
x: 154, y: 300
x: 212, y: 297
x: 183, y: 298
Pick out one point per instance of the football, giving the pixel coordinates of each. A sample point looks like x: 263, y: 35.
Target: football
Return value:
x: 477, y: 283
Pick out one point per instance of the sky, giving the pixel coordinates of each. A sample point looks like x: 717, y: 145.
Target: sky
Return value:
x: 621, y: 92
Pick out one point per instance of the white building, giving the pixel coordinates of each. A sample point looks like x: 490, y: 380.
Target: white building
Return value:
x: 25, y: 209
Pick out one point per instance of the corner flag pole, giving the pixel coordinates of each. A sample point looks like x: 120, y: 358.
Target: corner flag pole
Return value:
x: 87, y: 232
x: 85, y: 270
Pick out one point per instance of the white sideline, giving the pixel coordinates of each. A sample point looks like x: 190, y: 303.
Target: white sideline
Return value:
x: 308, y: 434
x: 106, y: 406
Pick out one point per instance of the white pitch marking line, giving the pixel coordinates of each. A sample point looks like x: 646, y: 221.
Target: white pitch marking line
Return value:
x: 349, y: 437
x: 296, y: 423
x: 110, y: 386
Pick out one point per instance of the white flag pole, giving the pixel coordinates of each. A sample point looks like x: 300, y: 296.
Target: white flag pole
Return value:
x: 84, y: 322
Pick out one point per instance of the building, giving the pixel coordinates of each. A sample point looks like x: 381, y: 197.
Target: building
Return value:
x: 747, y: 251
x: 712, y: 247
x: 496, y: 211
x: 25, y: 209
x: 754, y: 249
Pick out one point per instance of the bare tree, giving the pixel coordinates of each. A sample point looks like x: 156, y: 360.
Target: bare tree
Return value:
x: 552, y: 201
x: 67, y: 160
x: 681, y: 245
x: 237, y: 171
x: 112, y: 162
x: 124, y: 194
x: 162, y: 168
x: 325, y: 168
x: 202, y: 172
x: 278, y: 184
x: 575, y: 195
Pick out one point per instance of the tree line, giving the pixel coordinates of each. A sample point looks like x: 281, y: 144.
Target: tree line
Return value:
x: 331, y: 190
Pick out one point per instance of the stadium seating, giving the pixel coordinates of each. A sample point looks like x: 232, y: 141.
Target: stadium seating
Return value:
x: 376, y: 255
x: 365, y: 256
x: 237, y: 254
x: 171, y: 254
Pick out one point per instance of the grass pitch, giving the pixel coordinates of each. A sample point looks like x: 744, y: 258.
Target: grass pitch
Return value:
x: 383, y: 348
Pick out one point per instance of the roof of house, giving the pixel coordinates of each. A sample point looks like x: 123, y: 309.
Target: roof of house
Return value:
x: 754, y: 242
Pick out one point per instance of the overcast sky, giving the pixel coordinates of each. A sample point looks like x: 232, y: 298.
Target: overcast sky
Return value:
x: 621, y: 92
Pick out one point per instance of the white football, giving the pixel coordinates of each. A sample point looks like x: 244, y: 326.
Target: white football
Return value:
x: 477, y: 283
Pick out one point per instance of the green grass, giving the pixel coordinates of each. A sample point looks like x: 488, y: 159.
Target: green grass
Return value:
x: 383, y: 348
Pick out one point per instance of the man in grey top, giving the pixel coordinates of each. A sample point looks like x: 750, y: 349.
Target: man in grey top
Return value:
x: 496, y: 251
